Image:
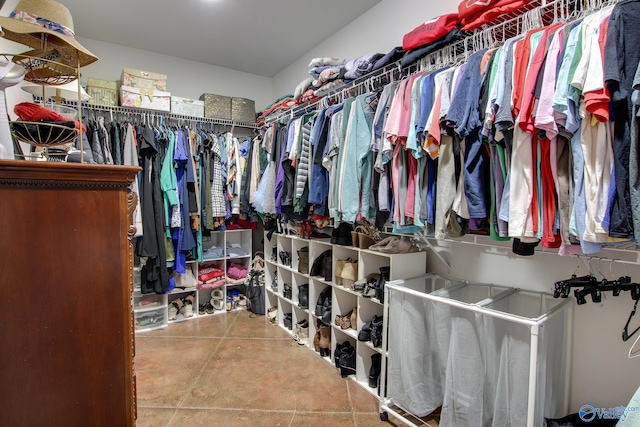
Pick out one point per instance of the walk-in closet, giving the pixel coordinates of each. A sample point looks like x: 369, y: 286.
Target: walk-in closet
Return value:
x: 372, y: 213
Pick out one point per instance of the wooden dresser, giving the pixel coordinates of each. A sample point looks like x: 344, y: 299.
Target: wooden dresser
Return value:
x: 66, y: 276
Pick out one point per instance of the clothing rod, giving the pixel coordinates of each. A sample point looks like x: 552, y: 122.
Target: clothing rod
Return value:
x: 510, y: 25
x: 156, y: 113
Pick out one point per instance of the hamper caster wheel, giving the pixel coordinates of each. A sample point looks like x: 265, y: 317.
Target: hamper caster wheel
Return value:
x: 384, y: 416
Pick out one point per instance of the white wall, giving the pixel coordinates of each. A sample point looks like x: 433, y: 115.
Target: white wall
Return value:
x: 187, y: 79
x: 602, y: 374
x: 377, y: 31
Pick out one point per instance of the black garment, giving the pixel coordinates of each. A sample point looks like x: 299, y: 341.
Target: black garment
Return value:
x: 116, y: 147
x: 392, y: 56
x: 94, y: 141
x: 154, y: 276
x: 414, y: 55
x: 621, y: 57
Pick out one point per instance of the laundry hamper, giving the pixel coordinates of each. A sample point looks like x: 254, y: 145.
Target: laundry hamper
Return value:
x: 482, y: 353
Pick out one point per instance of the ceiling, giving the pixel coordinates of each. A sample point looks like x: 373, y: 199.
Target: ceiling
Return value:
x: 260, y: 37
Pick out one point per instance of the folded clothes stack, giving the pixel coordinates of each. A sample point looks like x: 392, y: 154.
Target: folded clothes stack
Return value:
x: 210, y: 277
x: 236, y: 273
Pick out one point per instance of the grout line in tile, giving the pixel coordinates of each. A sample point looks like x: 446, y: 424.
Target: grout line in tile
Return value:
x: 201, y: 370
x: 353, y: 415
x: 209, y: 408
x: 175, y: 411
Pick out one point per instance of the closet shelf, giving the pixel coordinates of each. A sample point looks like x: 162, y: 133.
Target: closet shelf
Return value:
x: 148, y: 114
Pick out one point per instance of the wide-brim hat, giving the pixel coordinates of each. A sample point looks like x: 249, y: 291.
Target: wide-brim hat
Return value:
x: 32, y: 19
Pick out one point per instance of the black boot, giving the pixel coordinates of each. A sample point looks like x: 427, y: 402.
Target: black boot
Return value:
x: 347, y: 360
x: 376, y: 331
x: 384, y: 277
x: 374, y: 371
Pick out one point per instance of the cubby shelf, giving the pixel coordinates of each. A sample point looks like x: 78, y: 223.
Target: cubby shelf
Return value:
x: 344, y: 299
x: 229, y: 243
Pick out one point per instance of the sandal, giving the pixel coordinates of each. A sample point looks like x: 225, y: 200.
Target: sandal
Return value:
x: 175, y: 307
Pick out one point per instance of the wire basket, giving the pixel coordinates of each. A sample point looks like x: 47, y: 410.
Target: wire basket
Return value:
x: 42, y: 68
x: 43, y: 134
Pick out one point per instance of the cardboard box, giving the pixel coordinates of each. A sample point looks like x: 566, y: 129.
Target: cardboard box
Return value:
x: 145, y: 98
x: 144, y: 79
x: 187, y: 107
x: 102, y: 92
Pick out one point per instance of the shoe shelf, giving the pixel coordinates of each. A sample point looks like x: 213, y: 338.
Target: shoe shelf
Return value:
x: 344, y: 299
x: 220, y: 249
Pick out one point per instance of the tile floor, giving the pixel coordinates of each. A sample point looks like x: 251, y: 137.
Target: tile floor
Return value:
x: 235, y: 370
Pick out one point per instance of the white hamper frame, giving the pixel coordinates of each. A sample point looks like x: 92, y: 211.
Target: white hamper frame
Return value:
x: 388, y: 406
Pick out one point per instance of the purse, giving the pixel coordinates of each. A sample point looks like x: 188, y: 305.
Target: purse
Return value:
x: 255, y: 293
x: 303, y: 260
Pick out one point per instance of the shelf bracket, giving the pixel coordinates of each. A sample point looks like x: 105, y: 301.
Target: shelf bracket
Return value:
x: 425, y: 239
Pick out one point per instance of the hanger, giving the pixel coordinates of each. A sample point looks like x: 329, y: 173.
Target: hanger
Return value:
x: 625, y: 331
x: 633, y: 354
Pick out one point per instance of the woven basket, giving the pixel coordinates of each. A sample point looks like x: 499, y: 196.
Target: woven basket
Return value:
x: 243, y: 110
x: 216, y: 106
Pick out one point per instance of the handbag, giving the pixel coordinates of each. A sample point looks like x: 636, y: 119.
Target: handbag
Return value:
x: 303, y: 260
x: 255, y: 293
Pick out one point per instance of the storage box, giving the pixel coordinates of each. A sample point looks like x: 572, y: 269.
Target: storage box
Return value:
x: 187, y: 107
x: 145, y: 98
x: 102, y: 92
x: 144, y: 79
x: 148, y: 301
x: 216, y: 106
x: 150, y: 319
x: 243, y: 110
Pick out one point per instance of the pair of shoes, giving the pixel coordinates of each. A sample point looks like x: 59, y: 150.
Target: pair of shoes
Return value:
x: 395, y: 245
x: 174, y: 308
x: 272, y: 314
x: 348, y: 320
x: 365, y: 332
x: 345, y: 359
x: 287, y: 321
x: 346, y: 272
x: 376, y: 331
x: 364, y: 236
x: 302, y: 332
x: 306, y: 229
x: 303, y: 296
x: 374, y: 370
x: 324, y: 340
x: 384, y: 277
x: 187, y: 306
x: 217, y: 299
x: 206, y: 308
x: 342, y: 234
x: 285, y: 258
x: 367, y: 283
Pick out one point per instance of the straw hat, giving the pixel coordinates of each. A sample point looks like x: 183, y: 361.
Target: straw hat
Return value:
x: 33, y: 18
